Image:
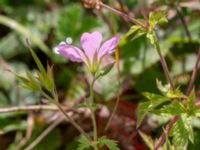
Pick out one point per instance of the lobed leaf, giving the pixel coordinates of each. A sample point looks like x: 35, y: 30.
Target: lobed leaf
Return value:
x: 182, y: 131
x: 191, y: 107
x: 111, y: 144
x: 155, y: 98
x: 143, y: 109
x: 84, y: 143
x: 156, y: 18
x: 163, y: 88
x: 175, y: 108
x: 175, y: 94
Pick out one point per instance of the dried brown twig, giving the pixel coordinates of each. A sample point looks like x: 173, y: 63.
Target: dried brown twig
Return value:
x: 31, y: 108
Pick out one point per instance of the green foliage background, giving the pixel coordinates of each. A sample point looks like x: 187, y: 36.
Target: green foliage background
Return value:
x: 48, y: 22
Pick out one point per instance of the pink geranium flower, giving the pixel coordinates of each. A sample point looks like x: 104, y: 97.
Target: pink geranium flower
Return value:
x: 93, y: 51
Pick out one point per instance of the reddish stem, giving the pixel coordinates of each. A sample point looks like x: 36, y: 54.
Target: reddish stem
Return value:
x: 161, y: 140
x: 164, y: 66
x: 123, y: 15
x: 193, y: 75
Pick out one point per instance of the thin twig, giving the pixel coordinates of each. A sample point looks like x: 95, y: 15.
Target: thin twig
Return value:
x: 107, y: 21
x: 31, y: 108
x: 116, y: 103
x: 121, y: 6
x: 161, y: 140
x: 121, y: 14
x: 44, y: 134
x: 29, y: 130
x: 164, y: 66
x: 55, y: 101
x: 113, y: 112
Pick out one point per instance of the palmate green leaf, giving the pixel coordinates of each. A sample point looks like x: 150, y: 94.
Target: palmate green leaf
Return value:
x: 155, y: 98
x: 148, y: 140
x: 152, y: 37
x: 143, y: 109
x: 84, y: 143
x: 174, y: 108
x: 175, y: 94
x: 191, y: 103
x: 167, y: 91
x: 182, y: 131
x: 111, y: 144
x: 156, y: 18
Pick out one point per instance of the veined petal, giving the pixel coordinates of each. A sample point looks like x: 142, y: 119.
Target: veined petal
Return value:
x: 90, y: 42
x: 71, y: 52
x: 109, y: 46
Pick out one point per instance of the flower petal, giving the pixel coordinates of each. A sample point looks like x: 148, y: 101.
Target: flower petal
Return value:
x: 71, y: 52
x: 109, y: 46
x: 90, y: 42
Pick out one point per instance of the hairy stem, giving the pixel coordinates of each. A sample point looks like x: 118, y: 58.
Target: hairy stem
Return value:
x: 193, y: 75
x: 92, y: 109
x: 161, y: 140
x: 31, y: 108
x: 164, y: 64
x: 116, y: 103
x: 166, y: 71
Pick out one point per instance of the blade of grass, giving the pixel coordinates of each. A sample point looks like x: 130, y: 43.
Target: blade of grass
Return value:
x: 25, y: 32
